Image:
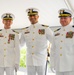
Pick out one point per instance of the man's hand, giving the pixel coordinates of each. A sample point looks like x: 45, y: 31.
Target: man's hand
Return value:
x: 53, y: 70
x: 16, y: 67
x: 48, y: 54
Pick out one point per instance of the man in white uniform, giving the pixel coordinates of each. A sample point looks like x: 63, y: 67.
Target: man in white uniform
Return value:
x: 9, y: 46
x: 36, y: 37
x: 62, y: 54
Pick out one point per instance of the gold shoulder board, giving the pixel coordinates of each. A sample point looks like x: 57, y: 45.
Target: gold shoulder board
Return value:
x: 45, y: 25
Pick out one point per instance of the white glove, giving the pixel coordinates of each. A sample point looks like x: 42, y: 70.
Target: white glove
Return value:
x: 53, y: 70
x: 16, y: 67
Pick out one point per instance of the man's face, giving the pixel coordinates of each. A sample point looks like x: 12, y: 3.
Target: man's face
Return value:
x: 7, y: 23
x: 65, y: 20
x: 33, y: 19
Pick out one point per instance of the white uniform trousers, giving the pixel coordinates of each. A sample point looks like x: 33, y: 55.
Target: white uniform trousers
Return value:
x: 35, y: 70
x: 7, y: 70
x: 65, y: 73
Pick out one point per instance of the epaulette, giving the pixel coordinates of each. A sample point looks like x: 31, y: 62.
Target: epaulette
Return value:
x: 73, y: 26
x: 45, y: 25
x: 57, y: 29
x: 0, y: 29
x: 15, y: 31
x: 25, y: 28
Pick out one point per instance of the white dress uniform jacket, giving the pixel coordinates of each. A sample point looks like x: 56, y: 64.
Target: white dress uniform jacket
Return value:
x: 9, y: 48
x: 36, y: 37
x: 62, y: 54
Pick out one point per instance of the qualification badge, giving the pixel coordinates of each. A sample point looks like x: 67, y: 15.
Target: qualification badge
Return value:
x: 69, y: 34
x: 41, y: 31
x: 11, y: 37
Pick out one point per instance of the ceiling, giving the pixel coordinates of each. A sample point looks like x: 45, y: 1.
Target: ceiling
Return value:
x: 48, y: 11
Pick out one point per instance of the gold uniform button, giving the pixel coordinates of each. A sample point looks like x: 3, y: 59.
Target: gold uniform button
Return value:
x: 33, y: 39
x: 4, y: 55
x: 4, y: 49
x: 33, y: 26
x: 64, y: 30
x: 32, y: 46
x: 61, y: 41
x: 4, y: 43
x: 60, y: 54
x: 60, y: 47
x: 32, y: 53
x: 62, y: 34
x: 33, y: 32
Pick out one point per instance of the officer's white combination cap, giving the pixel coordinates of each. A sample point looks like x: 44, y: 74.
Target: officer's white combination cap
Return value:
x: 32, y: 11
x: 8, y: 16
x: 65, y: 13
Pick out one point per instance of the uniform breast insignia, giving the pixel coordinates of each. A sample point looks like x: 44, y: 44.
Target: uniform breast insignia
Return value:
x: 57, y: 29
x: 11, y: 37
x: 69, y: 34
x: 1, y: 35
x: 41, y: 31
x: 45, y: 25
x: 57, y: 34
